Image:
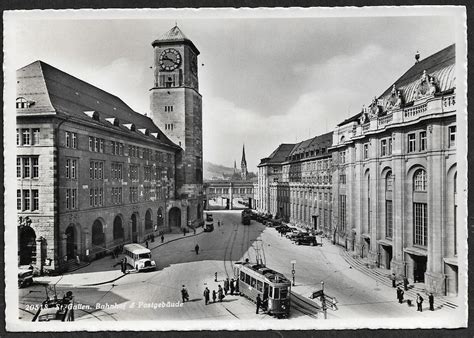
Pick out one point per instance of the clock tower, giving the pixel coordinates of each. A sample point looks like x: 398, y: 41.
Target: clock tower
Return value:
x: 176, y: 108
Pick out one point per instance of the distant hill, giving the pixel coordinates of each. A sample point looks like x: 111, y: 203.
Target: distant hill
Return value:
x: 216, y: 171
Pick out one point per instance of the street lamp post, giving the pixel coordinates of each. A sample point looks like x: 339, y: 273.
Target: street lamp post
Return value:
x: 293, y: 262
x: 323, y: 301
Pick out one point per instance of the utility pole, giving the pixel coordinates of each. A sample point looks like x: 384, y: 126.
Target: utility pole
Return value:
x: 293, y: 262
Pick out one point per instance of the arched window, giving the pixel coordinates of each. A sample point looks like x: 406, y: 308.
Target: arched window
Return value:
x: 118, y: 228
x: 419, y: 180
x: 389, y: 181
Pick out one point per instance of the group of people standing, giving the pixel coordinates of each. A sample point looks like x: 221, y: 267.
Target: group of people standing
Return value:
x: 419, y: 299
x: 229, y: 285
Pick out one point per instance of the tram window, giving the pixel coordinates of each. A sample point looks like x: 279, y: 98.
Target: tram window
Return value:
x: 247, y: 279
x: 276, y: 293
x: 242, y: 276
x: 283, y: 292
x: 253, y: 282
x: 270, y: 293
x: 259, y: 286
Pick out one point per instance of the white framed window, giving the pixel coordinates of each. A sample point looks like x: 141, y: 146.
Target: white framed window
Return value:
x: 419, y: 180
x: 422, y: 140
x: 411, y: 143
x: 452, y: 136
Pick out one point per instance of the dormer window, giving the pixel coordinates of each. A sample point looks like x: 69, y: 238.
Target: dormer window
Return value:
x: 22, y: 103
x: 93, y: 115
x: 113, y: 120
x: 130, y: 126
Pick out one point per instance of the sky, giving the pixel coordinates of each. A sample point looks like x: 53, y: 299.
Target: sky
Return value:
x: 280, y: 77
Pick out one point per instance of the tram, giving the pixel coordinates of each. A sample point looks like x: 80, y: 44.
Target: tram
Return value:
x: 273, y: 287
x: 245, y: 217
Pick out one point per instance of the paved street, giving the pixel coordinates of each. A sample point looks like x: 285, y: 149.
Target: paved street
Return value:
x: 135, y: 294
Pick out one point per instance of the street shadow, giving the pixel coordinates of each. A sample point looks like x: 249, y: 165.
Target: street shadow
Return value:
x: 194, y: 300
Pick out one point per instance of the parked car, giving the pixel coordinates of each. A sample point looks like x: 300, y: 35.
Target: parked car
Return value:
x: 298, y: 235
x: 25, y: 278
x: 311, y: 240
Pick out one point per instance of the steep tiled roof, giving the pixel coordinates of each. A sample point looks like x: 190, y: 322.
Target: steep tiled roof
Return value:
x: 63, y: 94
x: 279, y: 154
x: 440, y: 65
x: 312, y: 144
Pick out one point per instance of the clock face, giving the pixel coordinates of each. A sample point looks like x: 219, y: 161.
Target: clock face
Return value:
x: 170, y: 59
x: 194, y: 64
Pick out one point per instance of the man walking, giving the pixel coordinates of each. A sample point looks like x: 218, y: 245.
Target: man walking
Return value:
x: 196, y: 248
x: 226, y: 285
x: 214, y: 296
x: 400, y: 293
x: 394, y: 280
x: 259, y: 303
x: 184, y: 294
x: 419, y: 302
x: 206, y: 295
x: 162, y: 238
x: 123, y: 265
x: 232, y: 286
x: 220, y: 293
x: 431, y: 301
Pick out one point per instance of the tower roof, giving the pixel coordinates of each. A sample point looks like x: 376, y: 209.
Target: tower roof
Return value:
x: 173, y: 36
x: 244, y: 161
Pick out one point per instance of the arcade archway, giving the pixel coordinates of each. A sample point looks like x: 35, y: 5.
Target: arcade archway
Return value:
x: 175, y: 217
x: 27, y: 245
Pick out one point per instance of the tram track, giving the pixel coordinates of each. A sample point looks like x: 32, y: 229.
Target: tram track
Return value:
x: 227, y: 252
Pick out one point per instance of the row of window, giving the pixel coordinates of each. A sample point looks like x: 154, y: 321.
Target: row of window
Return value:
x: 234, y: 190
x: 96, y: 170
x: 169, y: 126
x: 27, y: 167
x: 27, y: 200
x: 168, y: 109
x: 71, y: 168
x: 28, y: 137
x: 96, y: 144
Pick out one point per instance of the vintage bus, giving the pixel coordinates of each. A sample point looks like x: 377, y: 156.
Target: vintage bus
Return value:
x: 138, y: 257
x: 273, y: 287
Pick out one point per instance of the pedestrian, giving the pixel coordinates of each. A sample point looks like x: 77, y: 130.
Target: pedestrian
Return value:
x: 206, y: 295
x: 184, y: 231
x: 431, y: 301
x: 400, y: 293
x: 196, y: 248
x: 184, y: 294
x: 419, y: 302
x: 259, y: 303
x: 146, y: 244
x: 394, y: 282
x: 405, y: 283
x: 214, y: 296
x: 162, y: 238
x: 226, y: 285
x: 194, y: 229
x: 218, y: 223
x: 237, y: 286
x: 220, y: 293
x: 232, y: 286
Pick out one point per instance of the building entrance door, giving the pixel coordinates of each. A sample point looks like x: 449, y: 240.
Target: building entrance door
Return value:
x: 419, y: 269
x: 70, y: 242
x: 387, y: 250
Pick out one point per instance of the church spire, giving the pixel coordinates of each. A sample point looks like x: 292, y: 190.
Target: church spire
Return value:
x: 243, y: 164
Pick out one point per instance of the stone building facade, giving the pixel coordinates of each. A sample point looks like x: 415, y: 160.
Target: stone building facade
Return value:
x: 295, y: 183
x: 395, y: 176
x: 92, y: 174
x: 392, y: 178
